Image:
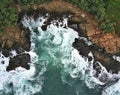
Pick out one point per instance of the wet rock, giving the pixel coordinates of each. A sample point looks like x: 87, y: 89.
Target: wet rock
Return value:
x: 19, y: 60
x: 81, y: 46
x: 97, y: 68
x: 2, y: 62
x: 5, y: 52
x: 99, y: 55
x: 102, y: 58
x: 103, y: 78
x: 73, y: 26
x: 18, y: 37
x: 114, y: 66
x: 90, y: 58
x: 44, y: 27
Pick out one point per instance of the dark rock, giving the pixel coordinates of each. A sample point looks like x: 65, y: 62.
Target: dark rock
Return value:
x: 114, y: 66
x: 90, y: 58
x: 19, y: 60
x: 97, y: 68
x: 5, y: 52
x: 40, y: 11
x: 104, y: 78
x: 82, y: 47
x: 31, y: 12
x: 73, y: 26
x: 44, y: 27
x: 2, y: 62
x: 102, y: 57
x: 99, y: 55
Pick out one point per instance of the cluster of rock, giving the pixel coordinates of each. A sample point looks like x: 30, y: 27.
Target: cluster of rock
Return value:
x: 104, y: 44
x: 19, y: 41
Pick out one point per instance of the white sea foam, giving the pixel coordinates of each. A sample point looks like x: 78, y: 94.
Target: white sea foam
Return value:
x: 86, y: 41
x: 116, y: 58
x: 13, y: 53
x: 112, y: 90
x: 83, y: 69
x: 20, y: 78
x: 16, y: 77
x: 62, y: 37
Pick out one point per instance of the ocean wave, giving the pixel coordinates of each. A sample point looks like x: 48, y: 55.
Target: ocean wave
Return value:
x: 51, y: 45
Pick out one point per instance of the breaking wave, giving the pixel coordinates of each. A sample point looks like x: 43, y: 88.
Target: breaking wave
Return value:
x: 51, y: 47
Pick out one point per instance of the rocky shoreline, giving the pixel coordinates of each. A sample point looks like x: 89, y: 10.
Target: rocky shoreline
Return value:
x: 18, y: 38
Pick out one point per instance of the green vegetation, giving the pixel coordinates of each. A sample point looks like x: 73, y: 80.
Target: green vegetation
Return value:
x: 106, y: 12
x: 9, y: 13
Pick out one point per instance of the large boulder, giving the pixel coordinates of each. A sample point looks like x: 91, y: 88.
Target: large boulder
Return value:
x: 19, y: 60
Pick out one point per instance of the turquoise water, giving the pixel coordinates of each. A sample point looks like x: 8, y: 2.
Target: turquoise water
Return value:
x: 54, y: 49
x: 56, y: 67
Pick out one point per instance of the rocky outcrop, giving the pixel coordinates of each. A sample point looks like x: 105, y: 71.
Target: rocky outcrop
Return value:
x: 109, y: 41
x: 19, y: 40
x: 99, y: 56
x: 85, y: 21
x: 19, y: 60
x: 104, y: 44
x: 15, y: 38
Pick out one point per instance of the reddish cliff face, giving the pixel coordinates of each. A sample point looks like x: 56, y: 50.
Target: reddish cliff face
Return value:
x: 110, y: 42
x: 15, y: 37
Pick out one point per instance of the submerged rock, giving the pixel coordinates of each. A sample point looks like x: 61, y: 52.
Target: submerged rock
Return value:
x: 44, y: 27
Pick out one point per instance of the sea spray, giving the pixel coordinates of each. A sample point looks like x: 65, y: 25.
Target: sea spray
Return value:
x: 14, y: 81
x: 54, y: 48
x: 56, y: 68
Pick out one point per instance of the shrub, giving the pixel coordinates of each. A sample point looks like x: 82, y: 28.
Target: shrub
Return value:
x: 106, y: 12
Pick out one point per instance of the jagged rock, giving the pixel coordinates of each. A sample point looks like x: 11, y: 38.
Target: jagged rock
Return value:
x: 44, y: 27
x: 19, y: 60
x: 20, y: 38
x: 102, y: 58
x: 87, y: 23
x: 11, y: 36
x: 82, y: 47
